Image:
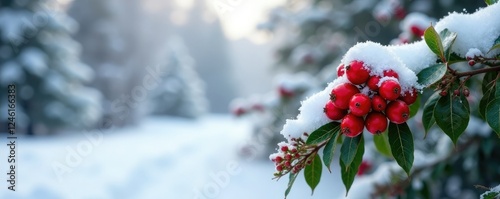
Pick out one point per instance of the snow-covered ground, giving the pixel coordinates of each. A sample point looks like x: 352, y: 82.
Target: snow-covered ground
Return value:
x: 163, y: 157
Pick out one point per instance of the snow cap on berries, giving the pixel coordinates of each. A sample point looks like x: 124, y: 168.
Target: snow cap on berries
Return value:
x: 380, y: 58
x: 473, y: 53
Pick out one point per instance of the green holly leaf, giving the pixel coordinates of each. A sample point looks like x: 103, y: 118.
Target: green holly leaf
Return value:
x: 348, y: 172
x: 452, y: 115
x: 428, y: 114
x: 493, y: 115
x: 490, y: 2
x: 415, y: 107
x: 312, y: 173
x: 431, y: 74
x: 488, y: 96
x: 488, y: 81
x: 496, y: 45
x: 490, y: 91
x: 448, y: 38
x: 323, y: 133
x: 433, y: 40
x: 350, y: 148
x: 329, y: 150
x: 382, y: 145
x: 401, y: 141
x: 291, y: 180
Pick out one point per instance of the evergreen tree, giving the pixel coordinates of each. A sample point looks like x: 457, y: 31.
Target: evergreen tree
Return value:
x: 40, y: 57
x: 181, y: 91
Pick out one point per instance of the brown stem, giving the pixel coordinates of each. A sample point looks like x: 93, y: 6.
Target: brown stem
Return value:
x: 475, y: 72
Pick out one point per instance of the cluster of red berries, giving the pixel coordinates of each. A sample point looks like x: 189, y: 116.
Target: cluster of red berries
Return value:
x: 292, y: 157
x: 383, y: 100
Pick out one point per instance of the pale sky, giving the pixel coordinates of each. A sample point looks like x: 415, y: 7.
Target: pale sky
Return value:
x: 239, y: 18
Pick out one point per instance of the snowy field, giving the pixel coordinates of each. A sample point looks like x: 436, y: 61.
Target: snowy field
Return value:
x: 161, y: 158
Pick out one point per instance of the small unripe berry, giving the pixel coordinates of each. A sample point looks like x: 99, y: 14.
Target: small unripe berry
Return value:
x: 466, y: 92
x: 332, y: 112
x: 351, y: 125
x: 357, y: 73
x: 390, y: 90
x: 340, y: 70
x: 391, y: 73
x: 443, y: 93
x: 398, y: 112
x: 471, y: 62
x: 373, y: 83
x: 376, y: 123
x: 294, y: 150
x: 444, y: 82
x: 342, y: 94
x: 378, y: 103
x: 288, y: 164
x: 456, y: 92
x: 360, y: 104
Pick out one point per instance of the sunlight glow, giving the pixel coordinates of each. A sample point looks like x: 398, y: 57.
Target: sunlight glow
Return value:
x: 239, y: 18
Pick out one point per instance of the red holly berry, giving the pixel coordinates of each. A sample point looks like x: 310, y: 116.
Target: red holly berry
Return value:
x: 258, y: 107
x: 239, y: 111
x: 351, y: 125
x: 373, y: 83
x: 376, y: 123
x: 308, y: 59
x: 397, y: 112
x: 357, y: 73
x: 333, y: 112
x: 288, y: 164
x: 285, y: 92
x: 378, y: 103
x: 284, y: 148
x: 399, y: 12
x: 288, y: 157
x: 443, y: 93
x: 391, y: 73
x: 279, y: 168
x: 409, y: 97
x: 390, y: 90
x: 340, y: 70
x: 278, y: 159
x: 363, y: 167
x: 418, y: 32
x: 360, y: 104
x: 342, y: 94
